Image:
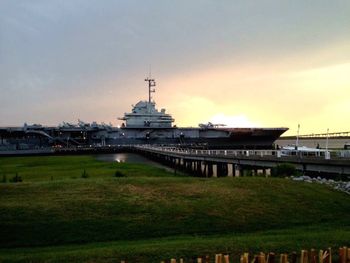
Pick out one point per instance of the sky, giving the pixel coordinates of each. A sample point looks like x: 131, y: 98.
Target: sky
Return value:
x: 242, y: 63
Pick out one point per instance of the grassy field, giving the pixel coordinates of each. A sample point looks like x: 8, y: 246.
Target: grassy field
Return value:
x: 56, y: 215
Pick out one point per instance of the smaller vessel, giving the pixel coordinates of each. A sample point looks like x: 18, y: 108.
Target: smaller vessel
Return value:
x: 295, y: 149
x: 290, y: 149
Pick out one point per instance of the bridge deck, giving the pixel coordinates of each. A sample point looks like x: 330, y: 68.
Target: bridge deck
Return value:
x: 337, y: 162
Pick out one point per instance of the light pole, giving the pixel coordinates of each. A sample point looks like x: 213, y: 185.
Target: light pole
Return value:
x: 327, y: 140
x: 327, y: 154
x: 297, y: 142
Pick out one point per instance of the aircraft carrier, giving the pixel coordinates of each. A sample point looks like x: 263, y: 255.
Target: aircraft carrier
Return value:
x: 143, y: 125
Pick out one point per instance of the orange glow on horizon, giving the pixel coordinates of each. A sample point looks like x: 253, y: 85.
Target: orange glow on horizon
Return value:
x: 317, y: 98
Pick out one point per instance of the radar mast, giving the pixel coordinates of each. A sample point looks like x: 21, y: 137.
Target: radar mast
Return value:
x: 151, y: 83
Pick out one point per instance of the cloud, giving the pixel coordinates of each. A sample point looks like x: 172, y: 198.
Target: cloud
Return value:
x: 261, y: 60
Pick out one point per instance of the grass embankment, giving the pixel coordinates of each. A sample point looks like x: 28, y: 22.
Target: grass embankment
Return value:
x: 150, y: 213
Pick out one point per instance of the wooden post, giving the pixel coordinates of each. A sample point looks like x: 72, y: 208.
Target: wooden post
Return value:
x: 207, y: 259
x: 304, y: 257
x: 238, y: 171
x: 230, y: 170
x: 283, y: 258
x: 320, y: 256
x: 215, y: 170
x: 268, y: 172
x: 199, y: 260
x: 227, y: 259
x: 327, y: 256
x: 244, y: 258
x: 261, y: 258
x: 342, y: 254
x: 294, y: 257
x: 313, y: 256
x: 218, y: 258
x: 173, y: 260
x: 271, y: 258
x: 181, y: 260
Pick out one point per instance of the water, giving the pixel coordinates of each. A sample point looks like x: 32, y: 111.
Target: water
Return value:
x: 123, y: 158
x: 130, y: 158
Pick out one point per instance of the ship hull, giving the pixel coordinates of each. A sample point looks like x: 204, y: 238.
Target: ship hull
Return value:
x: 252, y: 138
x: 210, y: 138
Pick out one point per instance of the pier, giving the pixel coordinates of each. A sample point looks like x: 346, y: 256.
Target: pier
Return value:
x: 220, y: 163
x: 209, y: 163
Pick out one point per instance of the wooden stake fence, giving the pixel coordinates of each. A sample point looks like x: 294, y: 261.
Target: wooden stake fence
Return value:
x: 312, y: 256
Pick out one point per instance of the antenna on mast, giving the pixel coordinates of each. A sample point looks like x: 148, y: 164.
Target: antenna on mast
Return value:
x: 151, y: 83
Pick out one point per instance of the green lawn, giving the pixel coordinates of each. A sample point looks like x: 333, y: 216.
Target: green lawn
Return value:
x: 56, y: 215
x: 48, y: 168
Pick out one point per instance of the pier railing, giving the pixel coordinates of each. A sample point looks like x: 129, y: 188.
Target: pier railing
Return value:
x: 314, y: 154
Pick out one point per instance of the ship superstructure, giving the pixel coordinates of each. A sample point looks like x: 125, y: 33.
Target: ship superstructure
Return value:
x: 145, y: 115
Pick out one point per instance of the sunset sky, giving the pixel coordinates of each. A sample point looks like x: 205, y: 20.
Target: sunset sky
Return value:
x: 244, y: 63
